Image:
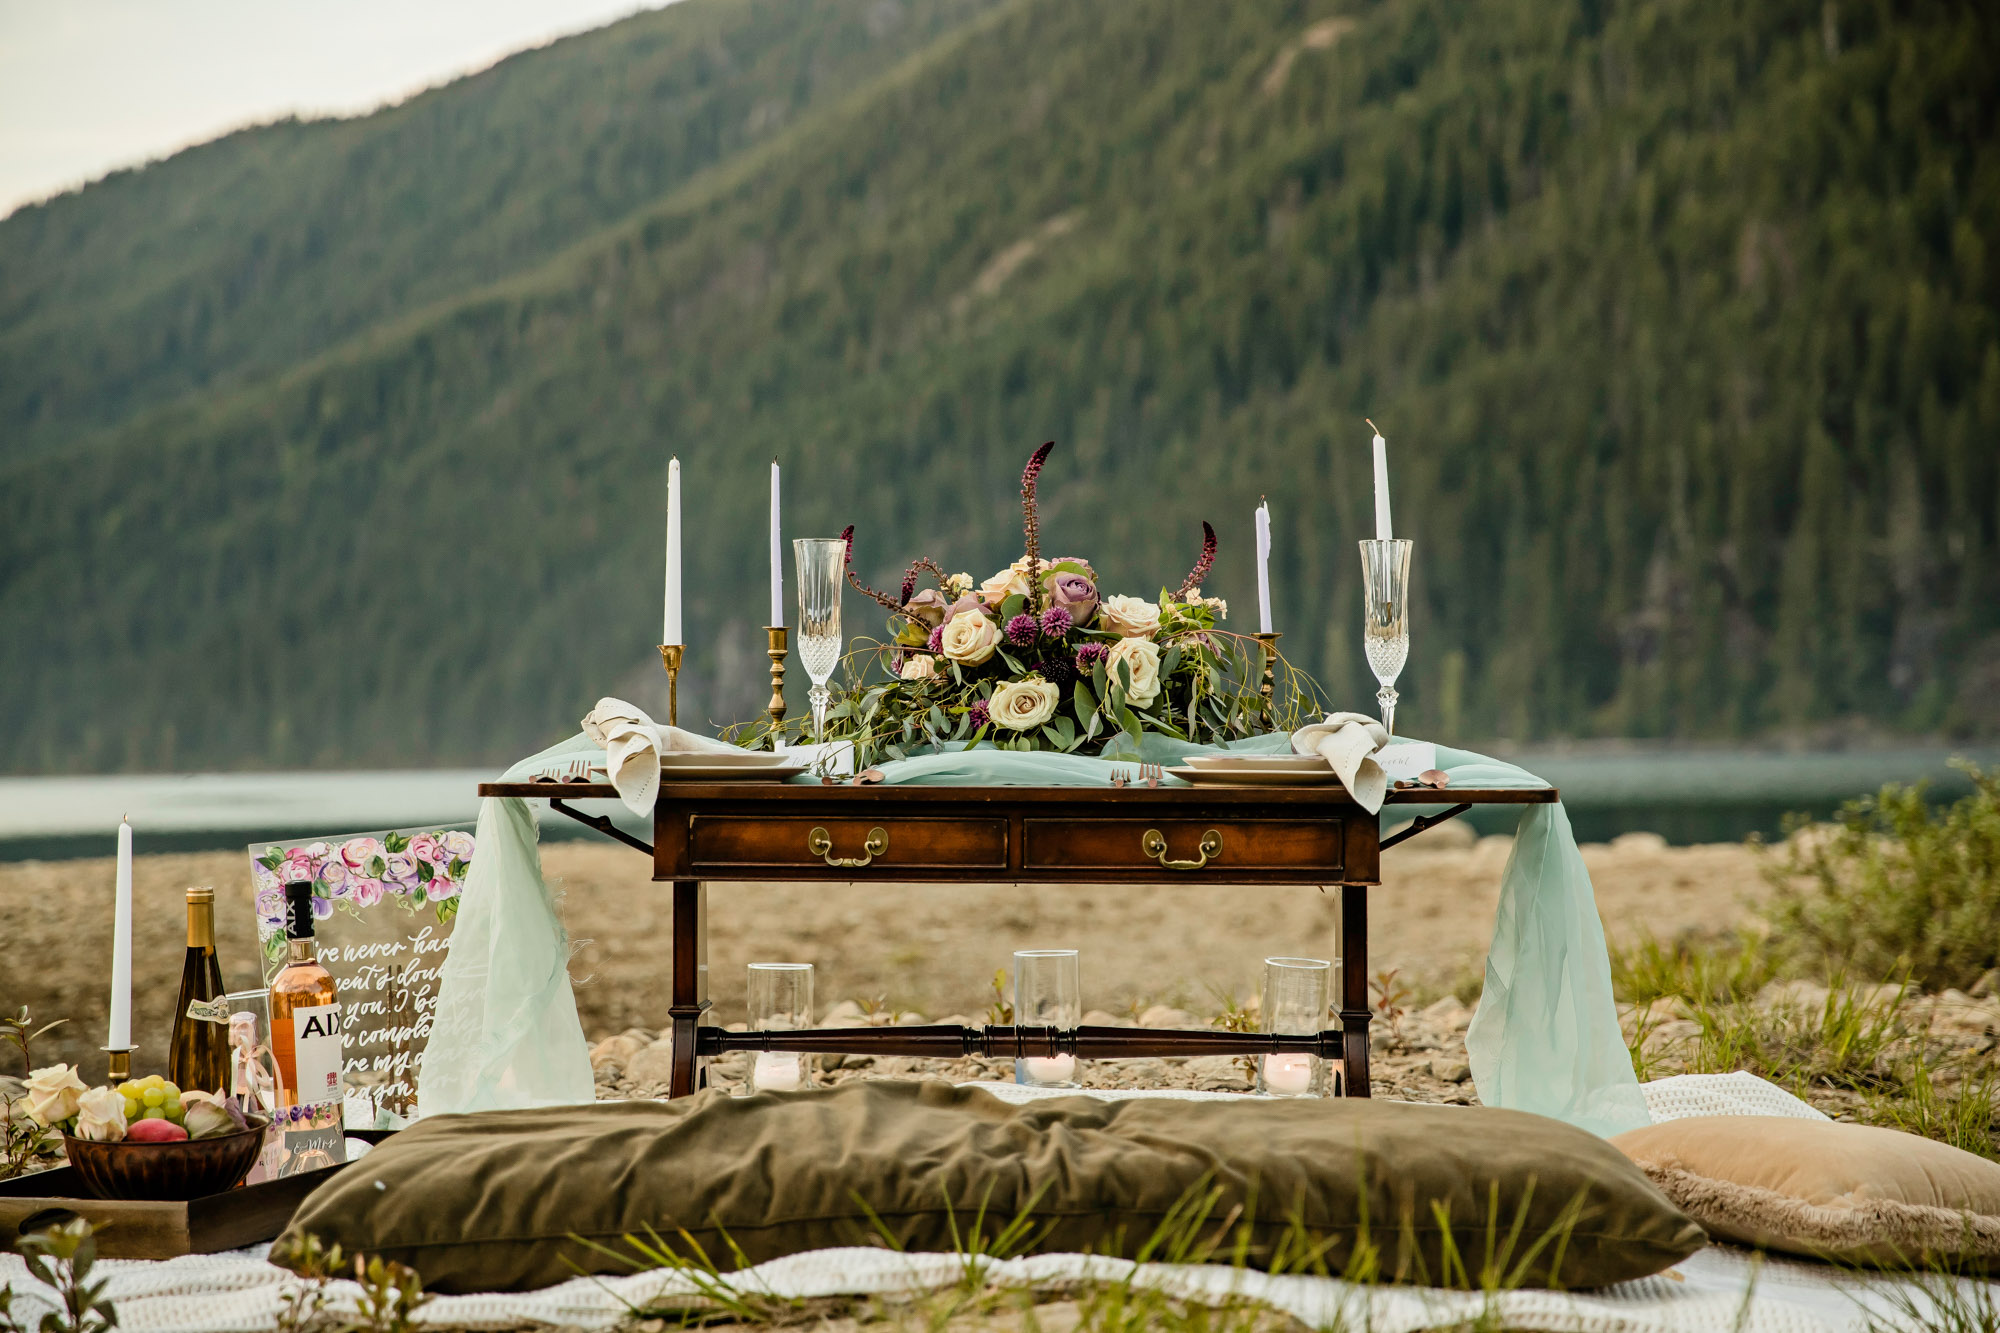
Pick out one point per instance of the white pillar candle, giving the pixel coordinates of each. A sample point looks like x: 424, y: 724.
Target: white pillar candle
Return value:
x: 1051, y: 1068
x: 671, y: 631
x: 1288, y: 1075
x: 1264, y: 568
x: 776, y: 1072
x: 777, y: 564
x: 120, y: 1034
x: 1382, y: 531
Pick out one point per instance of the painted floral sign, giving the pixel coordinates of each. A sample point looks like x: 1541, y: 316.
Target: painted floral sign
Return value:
x: 412, y: 869
x: 383, y: 907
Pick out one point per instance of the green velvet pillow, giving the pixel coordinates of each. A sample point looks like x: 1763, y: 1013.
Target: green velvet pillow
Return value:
x: 490, y: 1202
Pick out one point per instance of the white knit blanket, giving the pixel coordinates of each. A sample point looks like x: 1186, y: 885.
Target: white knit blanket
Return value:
x: 1720, y: 1288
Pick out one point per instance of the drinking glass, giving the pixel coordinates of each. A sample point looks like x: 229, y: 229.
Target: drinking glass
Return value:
x: 781, y: 1000
x: 1385, y: 625
x: 1046, y: 995
x: 821, y: 563
x: 1296, y: 994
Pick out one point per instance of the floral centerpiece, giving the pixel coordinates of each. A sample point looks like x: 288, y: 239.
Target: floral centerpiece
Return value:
x: 1039, y: 656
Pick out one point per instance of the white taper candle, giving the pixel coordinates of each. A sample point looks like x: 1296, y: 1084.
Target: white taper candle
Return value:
x: 1264, y: 567
x: 1382, y: 531
x: 119, y: 1036
x: 777, y: 562
x: 671, y: 631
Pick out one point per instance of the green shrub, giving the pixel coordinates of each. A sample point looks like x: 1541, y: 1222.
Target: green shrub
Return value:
x: 1896, y: 887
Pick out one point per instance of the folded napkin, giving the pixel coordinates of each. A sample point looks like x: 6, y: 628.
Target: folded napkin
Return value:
x: 1349, y: 741
x: 633, y: 744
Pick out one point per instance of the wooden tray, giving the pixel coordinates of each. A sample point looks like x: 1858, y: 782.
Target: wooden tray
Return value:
x: 141, y: 1229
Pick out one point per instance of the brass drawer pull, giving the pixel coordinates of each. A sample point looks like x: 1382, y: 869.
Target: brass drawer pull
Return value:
x: 820, y: 843
x: 1154, y: 844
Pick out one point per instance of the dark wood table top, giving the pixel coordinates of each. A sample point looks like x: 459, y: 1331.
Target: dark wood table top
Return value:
x: 782, y: 794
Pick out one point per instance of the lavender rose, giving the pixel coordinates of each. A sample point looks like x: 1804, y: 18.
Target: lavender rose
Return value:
x: 1075, y: 594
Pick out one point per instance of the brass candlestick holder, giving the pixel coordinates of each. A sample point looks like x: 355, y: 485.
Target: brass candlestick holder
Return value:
x: 117, y: 1063
x: 1269, y: 643
x: 670, y: 658
x: 780, y: 639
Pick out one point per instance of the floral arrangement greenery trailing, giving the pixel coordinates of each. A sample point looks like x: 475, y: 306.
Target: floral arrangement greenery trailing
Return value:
x: 1039, y: 657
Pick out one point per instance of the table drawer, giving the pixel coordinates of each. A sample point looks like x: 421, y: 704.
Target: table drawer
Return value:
x: 735, y: 842
x: 1194, y: 846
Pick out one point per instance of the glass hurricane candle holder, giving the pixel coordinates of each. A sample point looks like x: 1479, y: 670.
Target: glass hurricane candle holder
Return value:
x: 821, y: 563
x: 1046, y: 995
x: 781, y: 1000
x: 1297, y: 992
x: 1385, y: 626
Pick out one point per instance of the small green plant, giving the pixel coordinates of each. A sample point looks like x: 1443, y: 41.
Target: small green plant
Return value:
x: 1232, y: 1016
x: 1966, y: 1119
x: 61, y: 1258
x: 1694, y: 966
x: 302, y: 1309
x: 20, y: 1030
x: 1897, y: 888
x: 391, y: 1295
x: 1000, y: 1012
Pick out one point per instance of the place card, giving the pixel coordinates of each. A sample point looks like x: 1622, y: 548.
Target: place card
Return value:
x: 1404, y: 760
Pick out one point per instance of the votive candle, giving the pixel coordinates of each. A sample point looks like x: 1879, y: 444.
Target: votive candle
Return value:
x: 1288, y: 1075
x: 1051, y: 1068
x: 776, y: 1072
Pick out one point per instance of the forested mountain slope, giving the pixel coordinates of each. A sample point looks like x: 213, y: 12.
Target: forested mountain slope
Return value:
x: 1682, y: 323
x: 246, y: 255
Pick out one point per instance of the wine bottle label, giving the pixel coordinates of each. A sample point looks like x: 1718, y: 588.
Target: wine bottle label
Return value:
x: 316, y: 1047
x: 209, y: 1011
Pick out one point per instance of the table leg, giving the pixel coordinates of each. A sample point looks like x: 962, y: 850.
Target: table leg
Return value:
x: 1354, y: 1011
x: 690, y: 979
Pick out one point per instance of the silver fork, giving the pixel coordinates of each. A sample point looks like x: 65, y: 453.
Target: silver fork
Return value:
x: 573, y: 770
x: 1152, y: 773
x: 1120, y: 778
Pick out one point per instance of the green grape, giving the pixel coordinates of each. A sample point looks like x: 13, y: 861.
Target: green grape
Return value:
x: 131, y: 1108
x: 153, y: 1097
x: 128, y: 1089
x: 153, y: 1113
x: 171, y: 1089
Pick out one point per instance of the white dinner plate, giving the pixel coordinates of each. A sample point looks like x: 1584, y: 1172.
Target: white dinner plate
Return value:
x: 1259, y: 763
x: 700, y: 759
x: 731, y: 773
x: 1223, y: 777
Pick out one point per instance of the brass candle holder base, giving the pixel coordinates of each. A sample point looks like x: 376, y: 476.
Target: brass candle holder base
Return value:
x: 1269, y: 643
x: 118, y: 1063
x: 779, y: 644
x: 670, y: 658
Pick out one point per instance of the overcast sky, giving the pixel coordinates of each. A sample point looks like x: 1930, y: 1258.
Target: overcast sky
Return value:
x: 89, y: 85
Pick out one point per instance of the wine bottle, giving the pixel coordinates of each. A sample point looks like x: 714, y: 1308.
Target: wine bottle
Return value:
x: 305, y: 1012
x: 199, y: 1057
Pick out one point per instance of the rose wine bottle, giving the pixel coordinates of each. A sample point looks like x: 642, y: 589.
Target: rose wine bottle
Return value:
x: 199, y: 1058
x: 305, y: 1012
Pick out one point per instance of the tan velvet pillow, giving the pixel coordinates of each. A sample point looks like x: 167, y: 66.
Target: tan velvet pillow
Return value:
x: 489, y: 1202
x: 1851, y: 1193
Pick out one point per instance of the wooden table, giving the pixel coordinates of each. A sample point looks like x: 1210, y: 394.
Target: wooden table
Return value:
x: 750, y: 831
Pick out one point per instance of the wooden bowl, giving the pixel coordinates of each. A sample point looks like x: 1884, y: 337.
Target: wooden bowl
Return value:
x: 185, y: 1169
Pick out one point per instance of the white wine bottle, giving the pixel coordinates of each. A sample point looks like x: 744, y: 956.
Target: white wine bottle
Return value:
x: 305, y: 1012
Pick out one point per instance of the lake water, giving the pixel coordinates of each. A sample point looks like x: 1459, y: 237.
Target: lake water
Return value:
x: 1686, y: 795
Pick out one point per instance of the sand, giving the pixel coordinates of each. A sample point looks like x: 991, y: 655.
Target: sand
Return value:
x: 928, y: 948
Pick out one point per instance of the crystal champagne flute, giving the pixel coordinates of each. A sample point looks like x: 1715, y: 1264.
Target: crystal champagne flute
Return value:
x: 1385, y: 629
x: 821, y: 562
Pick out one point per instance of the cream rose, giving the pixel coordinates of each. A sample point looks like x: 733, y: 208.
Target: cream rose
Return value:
x: 53, y: 1094
x: 1141, y: 657
x: 970, y: 638
x: 919, y: 666
x: 1023, y: 705
x: 1133, y: 617
x: 100, y: 1115
x: 958, y: 585
x: 1009, y: 582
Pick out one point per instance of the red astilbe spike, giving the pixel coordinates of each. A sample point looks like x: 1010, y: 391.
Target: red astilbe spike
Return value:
x: 1201, y: 566
x: 1032, y: 523
x: 847, y: 563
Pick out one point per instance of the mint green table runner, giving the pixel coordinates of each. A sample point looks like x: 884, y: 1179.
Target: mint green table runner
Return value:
x: 1545, y: 1037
